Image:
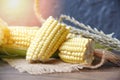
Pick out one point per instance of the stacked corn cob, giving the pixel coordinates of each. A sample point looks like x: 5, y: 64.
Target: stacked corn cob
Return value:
x: 77, y: 50
x: 47, y: 40
x: 41, y: 43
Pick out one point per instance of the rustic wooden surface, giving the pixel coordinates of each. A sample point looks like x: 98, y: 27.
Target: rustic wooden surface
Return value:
x: 106, y: 72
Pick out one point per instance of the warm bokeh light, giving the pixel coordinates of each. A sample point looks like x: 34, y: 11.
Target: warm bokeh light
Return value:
x: 21, y: 12
x: 14, y: 7
x: 18, y: 12
x: 14, y: 4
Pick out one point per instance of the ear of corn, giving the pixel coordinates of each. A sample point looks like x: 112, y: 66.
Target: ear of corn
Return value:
x: 3, y: 35
x: 21, y: 36
x: 16, y: 42
x: 42, y: 43
x: 4, y: 32
x: 77, y: 50
x: 47, y: 40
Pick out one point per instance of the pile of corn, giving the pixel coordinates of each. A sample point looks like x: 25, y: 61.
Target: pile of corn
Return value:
x: 41, y: 43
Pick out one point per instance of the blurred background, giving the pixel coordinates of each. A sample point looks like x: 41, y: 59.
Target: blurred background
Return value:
x: 102, y: 14
x: 18, y: 12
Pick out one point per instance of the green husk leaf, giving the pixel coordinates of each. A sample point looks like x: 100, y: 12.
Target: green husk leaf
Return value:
x: 55, y: 55
x: 7, y: 52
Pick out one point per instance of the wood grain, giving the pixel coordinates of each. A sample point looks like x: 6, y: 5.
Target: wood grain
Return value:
x: 106, y: 72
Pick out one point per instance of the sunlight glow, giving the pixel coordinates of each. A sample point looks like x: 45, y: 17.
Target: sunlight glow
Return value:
x: 15, y: 7
x: 17, y: 12
x: 14, y: 4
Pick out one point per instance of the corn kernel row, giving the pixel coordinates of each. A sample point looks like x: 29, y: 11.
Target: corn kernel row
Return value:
x: 77, y: 50
x: 47, y: 40
x: 41, y: 43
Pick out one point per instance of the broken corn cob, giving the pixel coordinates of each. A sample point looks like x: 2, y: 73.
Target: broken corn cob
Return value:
x: 77, y: 50
x: 47, y: 40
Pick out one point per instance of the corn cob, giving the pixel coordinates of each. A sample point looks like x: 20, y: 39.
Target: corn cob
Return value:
x: 77, y: 50
x: 47, y: 40
x: 21, y: 36
x: 4, y: 32
x: 18, y: 40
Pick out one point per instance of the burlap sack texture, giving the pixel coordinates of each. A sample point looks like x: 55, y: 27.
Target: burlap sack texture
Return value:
x: 53, y: 66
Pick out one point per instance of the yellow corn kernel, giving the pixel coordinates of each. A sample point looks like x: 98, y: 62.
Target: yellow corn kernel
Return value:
x: 77, y: 50
x: 47, y: 40
x: 4, y: 32
x: 20, y: 36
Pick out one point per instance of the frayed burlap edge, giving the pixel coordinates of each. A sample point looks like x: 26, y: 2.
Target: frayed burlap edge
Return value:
x: 54, y: 66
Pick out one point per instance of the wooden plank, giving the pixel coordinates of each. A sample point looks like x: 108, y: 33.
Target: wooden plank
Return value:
x: 107, y: 72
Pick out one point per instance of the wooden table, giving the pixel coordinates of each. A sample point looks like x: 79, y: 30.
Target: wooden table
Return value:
x: 106, y: 72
